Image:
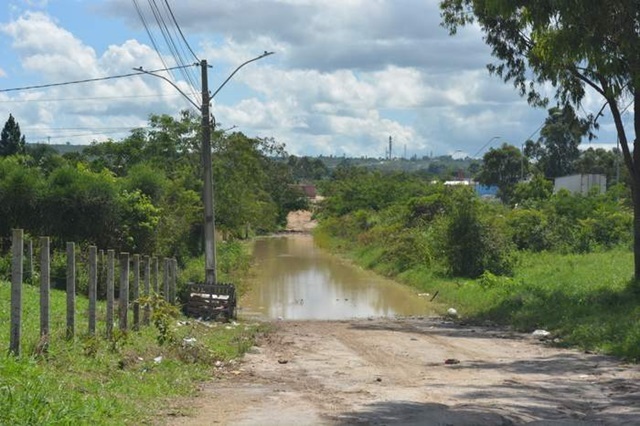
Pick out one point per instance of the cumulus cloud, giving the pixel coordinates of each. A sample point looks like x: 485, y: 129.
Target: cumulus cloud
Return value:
x: 347, y: 74
x: 82, y: 112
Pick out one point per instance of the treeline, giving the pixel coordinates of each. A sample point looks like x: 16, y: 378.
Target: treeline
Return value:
x: 142, y: 194
x: 405, y: 222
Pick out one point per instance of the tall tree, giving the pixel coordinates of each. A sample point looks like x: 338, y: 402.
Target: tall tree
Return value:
x: 502, y: 167
x: 557, y: 147
x: 574, y: 46
x: 11, y: 140
x: 600, y: 161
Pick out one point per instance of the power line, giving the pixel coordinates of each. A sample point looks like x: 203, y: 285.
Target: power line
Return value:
x: 173, y: 47
x: 77, y: 135
x: 180, y: 30
x: 45, y: 129
x: 95, y: 98
x: 87, y: 80
x: 182, y: 52
x: 171, y: 44
x: 146, y: 27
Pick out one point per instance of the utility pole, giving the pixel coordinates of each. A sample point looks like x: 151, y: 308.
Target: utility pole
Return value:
x: 207, y: 192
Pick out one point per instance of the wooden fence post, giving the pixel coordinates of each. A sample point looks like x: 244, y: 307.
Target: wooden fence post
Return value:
x: 165, y: 280
x: 71, y: 290
x: 123, y: 294
x: 93, y: 288
x: 17, y: 248
x: 44, y: 291
x: 147, y: 290
x: 156, y: 288
x: 135, y: 293
x: 110, y: 290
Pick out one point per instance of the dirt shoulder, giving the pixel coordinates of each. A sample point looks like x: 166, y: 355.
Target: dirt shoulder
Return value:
x: 413, y: 371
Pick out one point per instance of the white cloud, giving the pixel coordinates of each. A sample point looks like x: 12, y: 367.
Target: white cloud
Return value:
x: 83, y: 112
x: 47, y: 48
x: 347, y: 74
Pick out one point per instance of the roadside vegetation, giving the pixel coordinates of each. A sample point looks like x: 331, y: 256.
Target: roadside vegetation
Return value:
x: 138, y: 195
x: 561, y: 262
x: 127, y: 379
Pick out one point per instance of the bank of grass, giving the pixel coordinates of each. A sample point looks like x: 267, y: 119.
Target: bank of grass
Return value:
x: 129, y: 379
x: 586, y: 300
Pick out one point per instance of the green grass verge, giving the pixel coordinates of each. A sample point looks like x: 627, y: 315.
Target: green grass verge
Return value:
x: 129, y: 379
x: 586, y: 300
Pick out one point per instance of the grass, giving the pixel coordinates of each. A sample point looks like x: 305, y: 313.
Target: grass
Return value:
x: 587, y: 300
x: 128, y: 379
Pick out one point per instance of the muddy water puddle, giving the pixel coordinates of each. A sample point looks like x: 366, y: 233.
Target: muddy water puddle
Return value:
x: 294, y: 279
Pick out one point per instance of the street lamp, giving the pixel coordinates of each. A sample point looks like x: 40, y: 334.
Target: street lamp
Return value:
x: 207, y: 192
x: 485, y: 145
x: 522, y: 161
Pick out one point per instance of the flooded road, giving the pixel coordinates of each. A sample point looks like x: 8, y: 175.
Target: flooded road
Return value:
x: 296, y: 280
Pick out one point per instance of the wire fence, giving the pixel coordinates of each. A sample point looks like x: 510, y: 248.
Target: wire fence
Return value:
x: 139, y: 278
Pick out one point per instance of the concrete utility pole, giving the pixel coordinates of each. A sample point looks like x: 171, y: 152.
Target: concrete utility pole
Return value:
x: 207, y: 193
x: 208, y: 123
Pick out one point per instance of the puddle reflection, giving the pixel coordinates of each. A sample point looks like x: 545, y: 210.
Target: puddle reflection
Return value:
x: 296, y: 280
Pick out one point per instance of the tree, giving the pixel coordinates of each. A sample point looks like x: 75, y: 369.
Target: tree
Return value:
x: 536, y: 190
x: 20, y: 192
x: 556, y: 150
x: 307, y: 169
x: 600, y: 161
x: 573, y: 46
x: 502, y: 167
x: 11, y: 140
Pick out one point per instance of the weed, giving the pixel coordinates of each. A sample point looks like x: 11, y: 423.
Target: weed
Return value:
x: 163, y: 315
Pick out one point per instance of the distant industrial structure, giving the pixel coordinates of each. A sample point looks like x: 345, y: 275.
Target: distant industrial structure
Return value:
x: 581, y: 184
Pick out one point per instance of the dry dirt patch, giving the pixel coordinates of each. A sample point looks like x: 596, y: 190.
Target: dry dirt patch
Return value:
x: 413, y: 371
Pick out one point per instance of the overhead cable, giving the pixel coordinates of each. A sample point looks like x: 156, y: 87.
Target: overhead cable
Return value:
x: 180, y: 30
x: 87, y: 80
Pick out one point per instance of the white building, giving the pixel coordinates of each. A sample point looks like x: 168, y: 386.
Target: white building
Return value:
x: 582, y: 184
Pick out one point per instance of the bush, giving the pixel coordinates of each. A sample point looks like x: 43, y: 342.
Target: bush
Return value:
x: 529, y: 230
x: 406, y: 249
x: 426, y: 209
x: 613, y: 228
x: 472, y: 244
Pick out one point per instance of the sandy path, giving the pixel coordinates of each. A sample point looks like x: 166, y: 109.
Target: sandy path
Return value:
x: 389, y: 371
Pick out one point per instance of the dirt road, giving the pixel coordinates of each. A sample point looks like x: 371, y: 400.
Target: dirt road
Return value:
x: 300, y: 221
x: 413, y: 372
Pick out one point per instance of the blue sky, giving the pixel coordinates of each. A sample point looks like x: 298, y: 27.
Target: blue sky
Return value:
x: 346, y: 75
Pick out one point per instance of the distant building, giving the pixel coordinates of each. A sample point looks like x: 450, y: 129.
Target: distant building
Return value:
x: 308, y: 190
x: 487, y: 191
x: 464, y: 182
x: 581, y: 184
x: 484, y: 191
